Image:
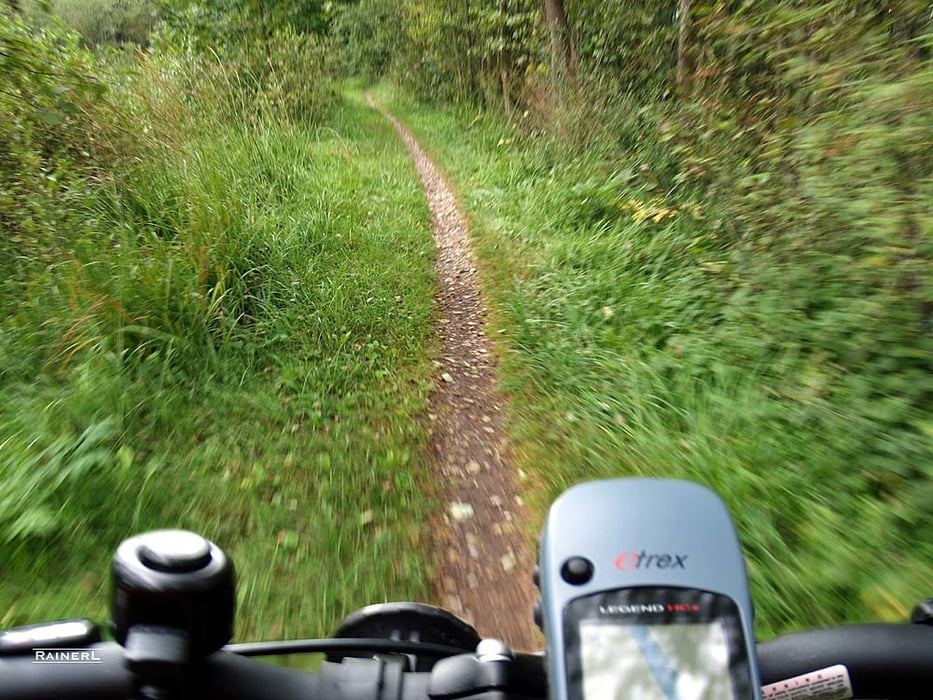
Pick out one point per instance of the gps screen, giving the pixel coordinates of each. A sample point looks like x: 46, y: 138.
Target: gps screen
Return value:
x: 655, y: 662
x: 656, y: 643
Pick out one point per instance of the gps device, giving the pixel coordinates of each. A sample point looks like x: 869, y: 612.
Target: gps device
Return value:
x: 645, y: 595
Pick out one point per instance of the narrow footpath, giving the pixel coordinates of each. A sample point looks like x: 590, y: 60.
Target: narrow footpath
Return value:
x: 483, y: 562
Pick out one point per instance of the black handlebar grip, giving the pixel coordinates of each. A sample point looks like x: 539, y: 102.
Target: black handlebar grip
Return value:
x: 98, y: 674
x: 102, y: 675
x: 884, y: 661
x: 225, y: 675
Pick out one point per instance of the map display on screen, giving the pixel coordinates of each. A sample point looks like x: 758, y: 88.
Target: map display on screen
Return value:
x: 655, y: 662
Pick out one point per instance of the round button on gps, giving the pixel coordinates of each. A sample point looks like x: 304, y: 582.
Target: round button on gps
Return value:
x: 577, y: 571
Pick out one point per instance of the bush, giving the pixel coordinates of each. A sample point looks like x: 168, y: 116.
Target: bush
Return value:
x: 295, y: 78
x: 53, y: 474
x: 730, y: 278
x: 107, y: 22
x: 50, y: 141
x: 365, y: 35
x: 286, y: 78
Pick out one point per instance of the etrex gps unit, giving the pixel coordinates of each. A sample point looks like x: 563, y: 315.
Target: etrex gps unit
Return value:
x: 645, y: 595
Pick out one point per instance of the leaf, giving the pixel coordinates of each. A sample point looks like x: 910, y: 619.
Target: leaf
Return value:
x: 125, y: 457
x: 51, y: 118
x: 287, y: 539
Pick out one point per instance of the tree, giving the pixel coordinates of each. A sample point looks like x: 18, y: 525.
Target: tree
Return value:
x: 225, y: 22
x: 683, y: 28
x: 562, y: 54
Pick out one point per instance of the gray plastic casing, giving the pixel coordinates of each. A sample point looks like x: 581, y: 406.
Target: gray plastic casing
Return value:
x: 600, y: 520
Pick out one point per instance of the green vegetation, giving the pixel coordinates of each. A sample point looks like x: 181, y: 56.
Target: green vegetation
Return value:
x: 633, y: 346
x: 100, y: 23
x: 705, y: 227
x: 714, y: 263
x: 209, y: 321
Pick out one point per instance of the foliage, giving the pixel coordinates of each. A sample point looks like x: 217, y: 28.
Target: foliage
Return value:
x: 726, y: 279
x: 234, y: 327
x: 213, y: 312
x: 729, y: 280
x: 49, y: 488
x: 251, y: 62
x: 629, y: 42
x: 223, y: 24
x: 449, y: 49
x: 365, y: 34
x: 60, y: 130
x: 102, y: 22
x: 639, y: 341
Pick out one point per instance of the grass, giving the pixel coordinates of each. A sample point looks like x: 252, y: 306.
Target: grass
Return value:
x: 638, y: 339
x: 237, y: 344
x: 227, y: 327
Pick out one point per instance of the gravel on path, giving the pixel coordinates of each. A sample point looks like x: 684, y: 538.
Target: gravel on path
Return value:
x: 483, y: 560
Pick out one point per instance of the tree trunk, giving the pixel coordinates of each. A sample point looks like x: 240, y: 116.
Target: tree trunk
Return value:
x: 506, y: 93
x: 682, y: 47
x: 559, y: 30
x: 266, y: 34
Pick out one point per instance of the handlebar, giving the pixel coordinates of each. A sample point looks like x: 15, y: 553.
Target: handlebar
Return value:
x: 883, y: 661
x: 172, y: 618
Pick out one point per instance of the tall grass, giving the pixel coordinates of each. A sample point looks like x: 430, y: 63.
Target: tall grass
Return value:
x: 228, y: 331
x: 100, y: 22
x: 640, y: 340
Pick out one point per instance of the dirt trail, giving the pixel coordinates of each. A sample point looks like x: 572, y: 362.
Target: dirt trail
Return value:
x: 484, y: 563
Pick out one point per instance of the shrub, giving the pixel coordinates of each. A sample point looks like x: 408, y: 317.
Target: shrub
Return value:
x: 108, y: 22
x: 48, y: 140
x: 287, y: 78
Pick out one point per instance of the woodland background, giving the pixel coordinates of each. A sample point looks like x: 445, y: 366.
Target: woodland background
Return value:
x: 719, y: 225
